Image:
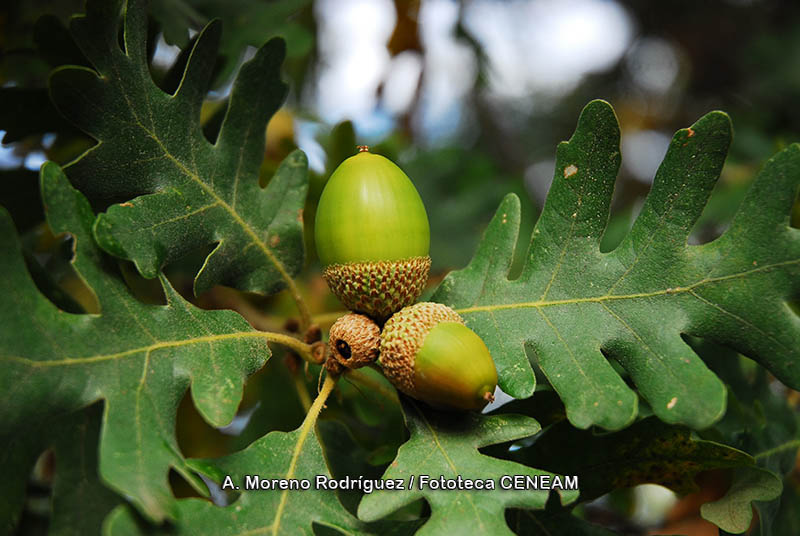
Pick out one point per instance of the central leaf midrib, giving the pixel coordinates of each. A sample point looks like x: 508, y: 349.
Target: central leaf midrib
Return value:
x: 224, y: 204
x: 118, y: 355
x: 612, y: 297
x: 452, y: 465
x: 210, y: 191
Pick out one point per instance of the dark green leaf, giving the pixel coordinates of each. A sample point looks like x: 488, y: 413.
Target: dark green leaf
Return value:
x: 177, y: 18
x: 74, y: 439
x: 247, y: 23
x: 55, y: 44
x: 19, y: 194
x: 649, y: 451
x: 77, y: 483
x: 787, y: 519
x: 733, y: 512
x: 446, y: 445
x: 186, y: 193
x: 40, y: 115
x: 341, y: 146
x: 139, y: 358
x: 272, y: 383
x: 760, y: 422
x: 528, y: 523
x: 28, y: 110
x: 573, y: 308
x: 250, y: 23
x: 278, y: 455
x: 370, y: 410
x: 347, y: 459
x: 19, y: 452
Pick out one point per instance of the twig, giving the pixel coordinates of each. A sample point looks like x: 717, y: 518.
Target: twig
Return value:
x: 328, y: 318
x: 304, y: 350
x: 302, y: 307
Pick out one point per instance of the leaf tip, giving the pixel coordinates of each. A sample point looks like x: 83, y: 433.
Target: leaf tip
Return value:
x: 599, y: 109
x: 49, y: 172
x: 793, y: 150
x: 214, y: 25
x: 598, y: 104
x: 715, y: 122
x: 52, y: 179
x: 510, y: 204
x: 298, y: 158
x: 511, y: 197
x: 370, y: 510
x: 211, y: 31
x: 276, y: 46
x: 103, y: 232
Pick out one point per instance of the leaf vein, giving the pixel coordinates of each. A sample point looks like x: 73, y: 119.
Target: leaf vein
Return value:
x: 612, y: 297
x: 740, y: 319
x: 156, y: 346
x: 450, y: 463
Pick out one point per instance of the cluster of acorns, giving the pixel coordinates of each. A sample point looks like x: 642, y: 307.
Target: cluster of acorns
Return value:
x: 372, y: 238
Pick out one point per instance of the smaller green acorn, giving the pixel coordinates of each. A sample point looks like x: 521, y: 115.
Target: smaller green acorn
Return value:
x: 428, y: 353
x: 372, y: 236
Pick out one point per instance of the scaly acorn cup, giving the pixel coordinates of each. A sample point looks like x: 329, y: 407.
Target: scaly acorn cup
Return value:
x: 428, y: 353
x: 354, y: 341
x: 372, y: 236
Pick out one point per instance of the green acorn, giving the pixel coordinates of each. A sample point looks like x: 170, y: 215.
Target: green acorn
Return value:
x: 428, y: 353
x: 372, y: 236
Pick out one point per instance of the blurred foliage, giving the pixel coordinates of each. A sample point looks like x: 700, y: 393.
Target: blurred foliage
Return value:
x: 737, y: 56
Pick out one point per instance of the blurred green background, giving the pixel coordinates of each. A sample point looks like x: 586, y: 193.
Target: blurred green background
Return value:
x: 470, y: 98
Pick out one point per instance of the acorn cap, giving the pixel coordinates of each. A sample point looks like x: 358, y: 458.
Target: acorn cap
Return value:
x: 354, y: 340
x: 428, y: 353
x: 378, y: 289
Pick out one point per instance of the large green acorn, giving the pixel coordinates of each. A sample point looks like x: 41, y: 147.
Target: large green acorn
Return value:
x: 372, y: 236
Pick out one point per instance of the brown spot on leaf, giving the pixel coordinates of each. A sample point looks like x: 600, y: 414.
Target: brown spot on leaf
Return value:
x: 300, y: 215
x: 690, y: 132
x: 570, y: 170
x: 274, y: 241
x: 126, y: 204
